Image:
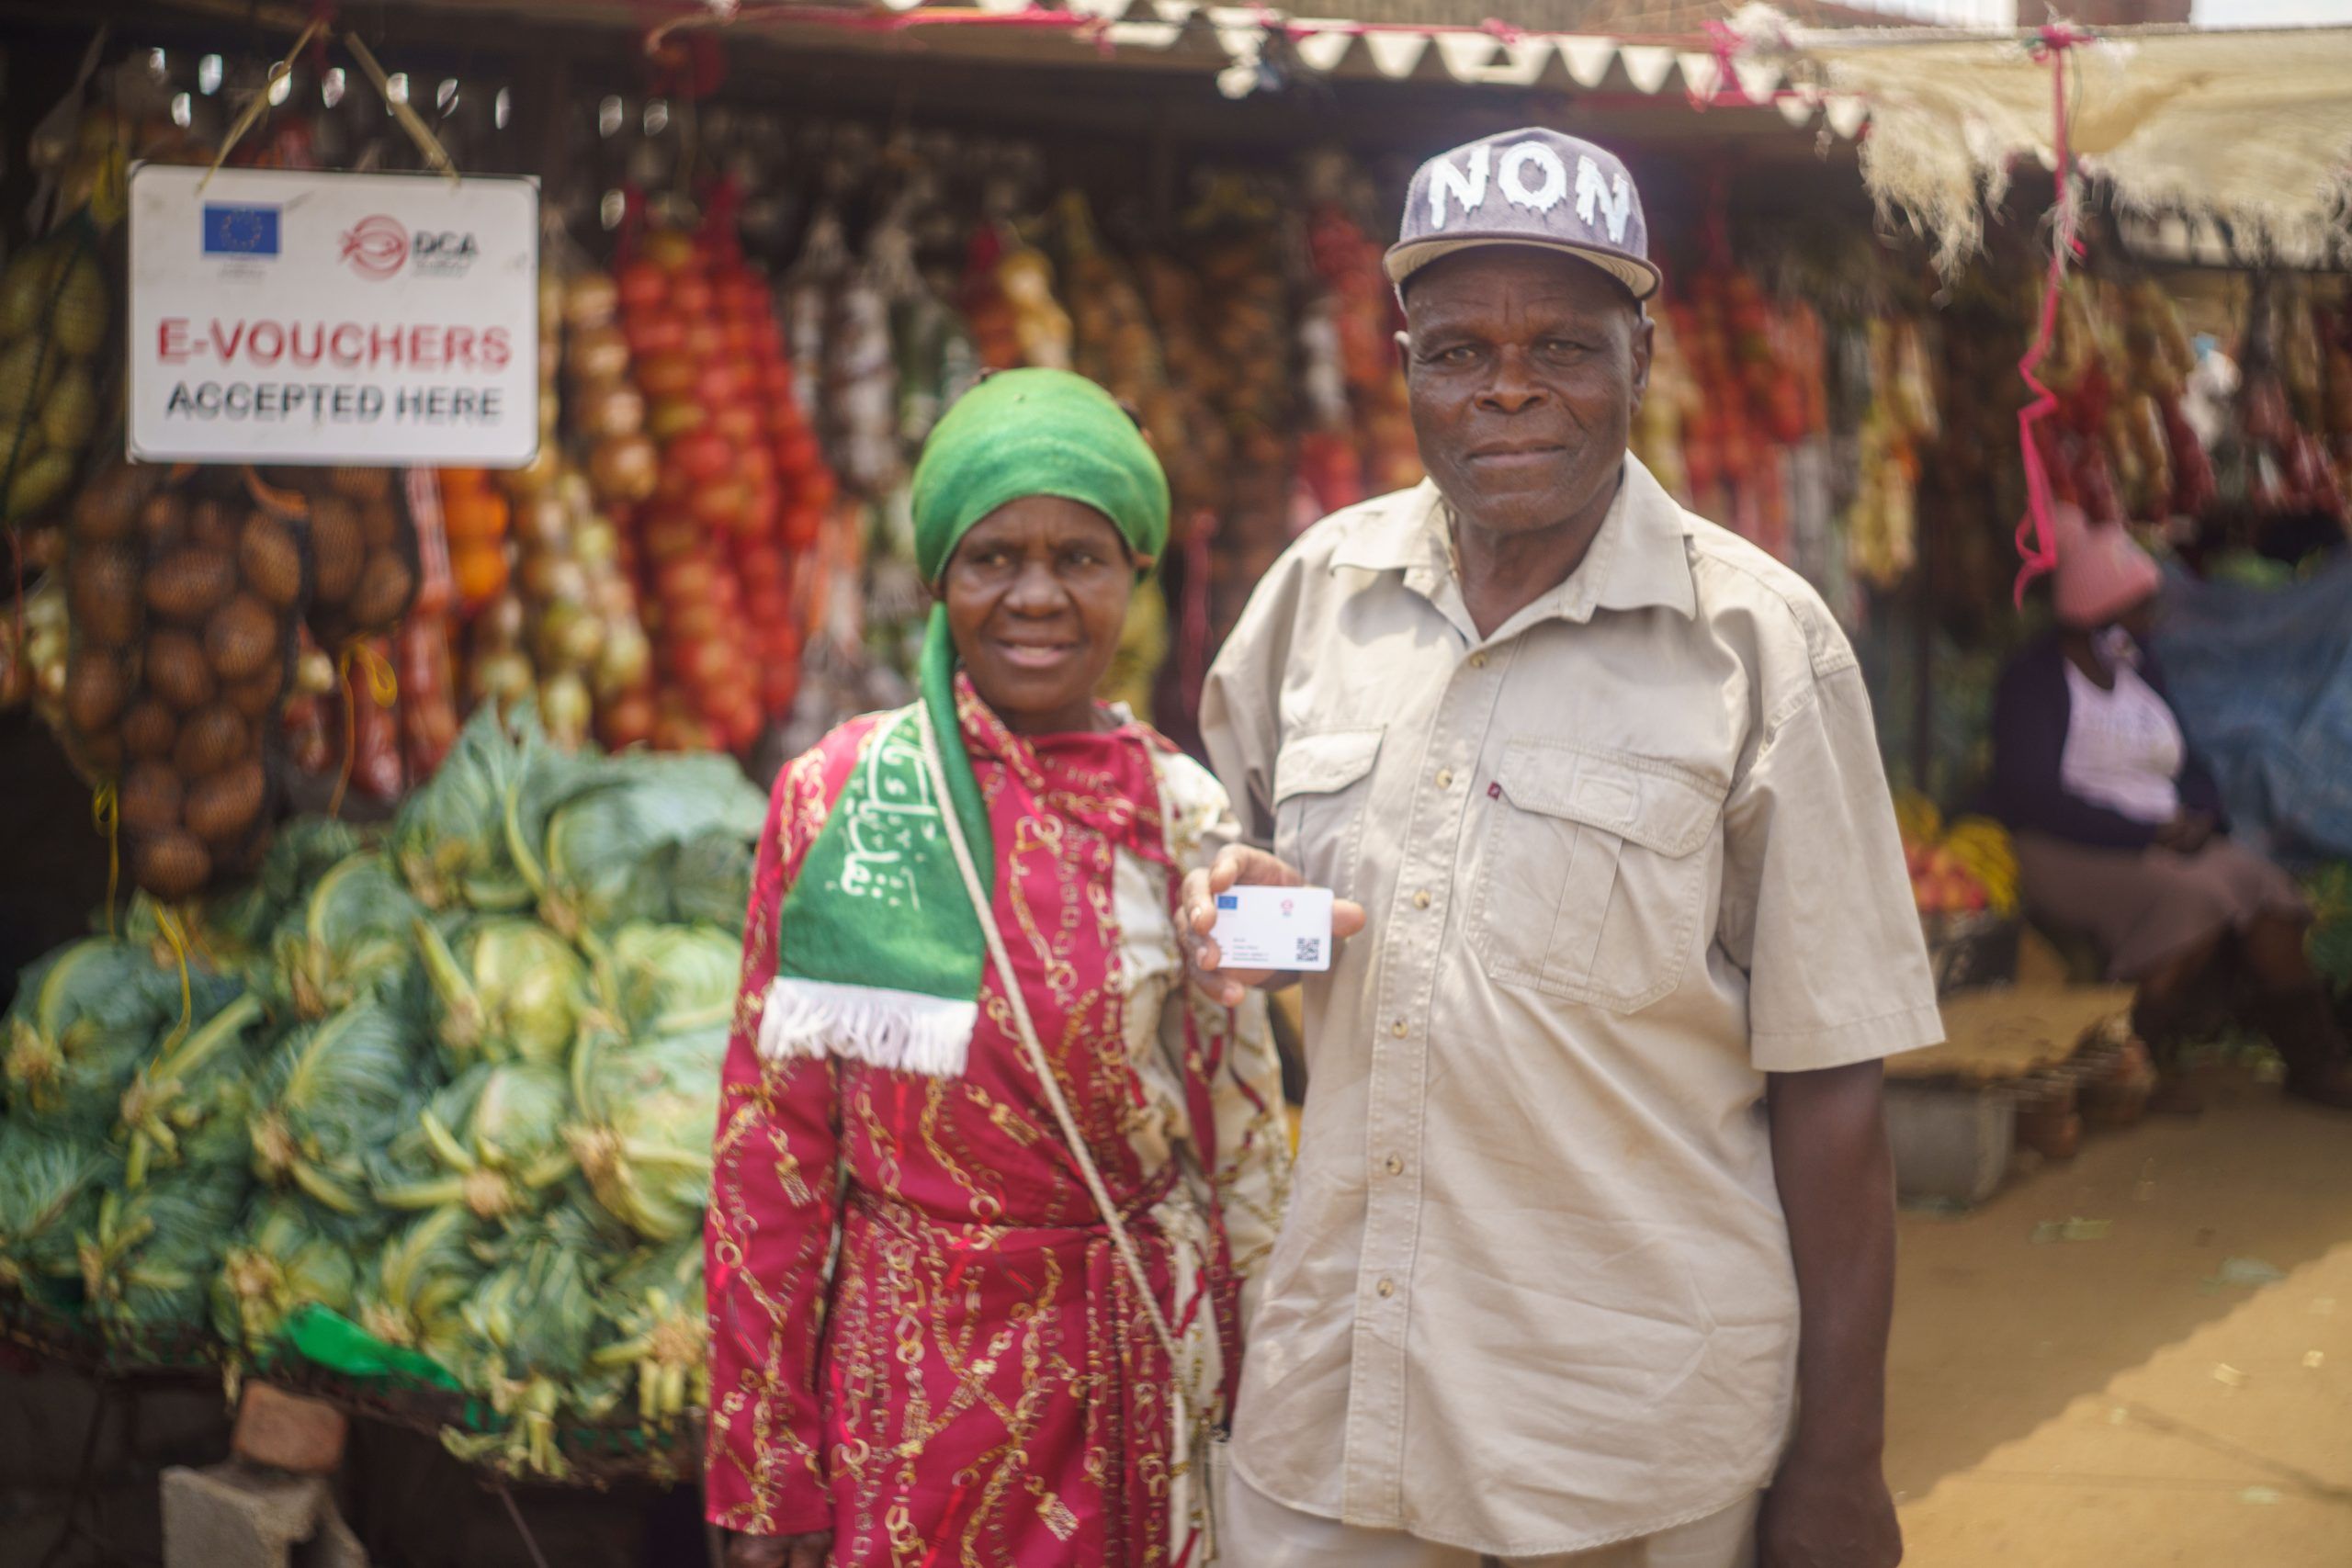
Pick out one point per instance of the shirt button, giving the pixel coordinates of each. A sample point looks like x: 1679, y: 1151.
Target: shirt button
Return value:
x: 1422, y: 900
x: 1445, y: 778
x: 1386, y: 1288
x: 1399, y: 1028
x: 1395, y: 1167
x: 1477, y: 662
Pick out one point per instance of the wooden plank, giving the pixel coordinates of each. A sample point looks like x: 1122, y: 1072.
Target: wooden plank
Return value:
x: 1994, y: 1035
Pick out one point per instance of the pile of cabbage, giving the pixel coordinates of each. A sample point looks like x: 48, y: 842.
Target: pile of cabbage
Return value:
x: 454, y: 1081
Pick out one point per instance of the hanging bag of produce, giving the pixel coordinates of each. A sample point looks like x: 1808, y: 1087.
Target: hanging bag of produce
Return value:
x: 183, y: 593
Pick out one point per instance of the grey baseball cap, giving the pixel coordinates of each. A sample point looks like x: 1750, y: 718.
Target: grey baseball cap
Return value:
x: 1527, y: 187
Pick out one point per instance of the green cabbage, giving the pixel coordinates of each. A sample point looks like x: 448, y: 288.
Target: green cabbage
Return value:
x: 528, y: 1334
x: 610, y: 848
x: 413, y: 1292
x: 657, y: 1332
x: 149, y: 1260
x: 454, y: 839
x: 509, y: 988
x: 710, y: 883
x: 50, y: 1187
x: 672, y: 979
x: 492, y: 1142
x: 83, y: 1018
x: 331, y: 1094
x: 190, y: 1104
x: 648, y: 1114
x: 286, y: 1256
x: 300, y: 854
x: 353, y: 937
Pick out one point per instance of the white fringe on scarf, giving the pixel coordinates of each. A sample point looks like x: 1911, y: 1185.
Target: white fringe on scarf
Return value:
x: 902, y: 1030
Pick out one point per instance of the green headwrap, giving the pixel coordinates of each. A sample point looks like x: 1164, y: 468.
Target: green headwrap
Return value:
x: 878, y: 951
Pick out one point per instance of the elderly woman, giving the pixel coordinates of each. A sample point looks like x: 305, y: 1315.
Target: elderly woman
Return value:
x: 2122, y: 834
x: 928, y: 1335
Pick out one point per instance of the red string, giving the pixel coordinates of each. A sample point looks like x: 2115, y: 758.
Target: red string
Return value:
x: 2037, y: 534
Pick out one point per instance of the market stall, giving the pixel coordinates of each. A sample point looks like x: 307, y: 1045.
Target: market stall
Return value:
x: 424, y: 794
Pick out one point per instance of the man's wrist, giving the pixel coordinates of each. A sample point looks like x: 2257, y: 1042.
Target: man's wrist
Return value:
x: 1840, y: 1446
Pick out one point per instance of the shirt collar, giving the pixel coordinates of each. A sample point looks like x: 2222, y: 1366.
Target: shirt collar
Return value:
x: 1637, y: 560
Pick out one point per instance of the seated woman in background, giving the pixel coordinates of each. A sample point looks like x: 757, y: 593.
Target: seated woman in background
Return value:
x: 2121, y: 830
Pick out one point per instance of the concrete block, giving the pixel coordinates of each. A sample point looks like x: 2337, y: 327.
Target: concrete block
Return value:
x: 286, y: 1431
x: 235, y: 1516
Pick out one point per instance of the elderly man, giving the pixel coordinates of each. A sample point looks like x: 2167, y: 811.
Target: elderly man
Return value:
x: 1590, y: 1254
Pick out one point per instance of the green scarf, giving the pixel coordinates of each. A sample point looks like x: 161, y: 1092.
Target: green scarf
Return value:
x: 879, y: 954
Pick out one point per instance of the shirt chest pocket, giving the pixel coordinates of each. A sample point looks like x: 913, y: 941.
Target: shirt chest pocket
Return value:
x: 1320, y: 785
x: 1593, y: 878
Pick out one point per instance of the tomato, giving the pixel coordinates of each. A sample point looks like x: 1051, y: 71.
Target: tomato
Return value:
x: 643, y: 286
x: 799, y: 454
x: 719, y: 386
x: 739, y: 422
x: 691, y: 296
x: 652, y: 332
x: 717, y: 505
x: 706, y: 664
x: 626, y: 721
x: 786, y: 422
x: 762, y: 566
x: 742, y: 727
x: 769, y: 606
x: 703, y: 342
x: 702, y: 455
x: 818, y: 489
x: 684, y: 581
x: 802, y: 524
x: 777, y: 386
x: 666, y: 376
x: 741, y: 294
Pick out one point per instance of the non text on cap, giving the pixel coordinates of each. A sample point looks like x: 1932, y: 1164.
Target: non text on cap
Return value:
x: 1531, y: 176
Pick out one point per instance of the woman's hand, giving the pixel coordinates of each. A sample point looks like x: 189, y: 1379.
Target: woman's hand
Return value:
x: 780, y: 1550
x: 2186, y: 833
x: 1241, y: 866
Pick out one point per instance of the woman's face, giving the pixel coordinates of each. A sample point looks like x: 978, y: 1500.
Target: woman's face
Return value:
x: 1036, y: 595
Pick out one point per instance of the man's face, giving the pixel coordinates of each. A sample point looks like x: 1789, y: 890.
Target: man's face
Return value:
x: 1525, y: 367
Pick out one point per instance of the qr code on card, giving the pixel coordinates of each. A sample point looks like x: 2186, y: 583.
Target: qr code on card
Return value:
x: 1310, y: 950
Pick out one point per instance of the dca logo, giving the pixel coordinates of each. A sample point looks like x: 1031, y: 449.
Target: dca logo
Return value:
x: 378, y: 247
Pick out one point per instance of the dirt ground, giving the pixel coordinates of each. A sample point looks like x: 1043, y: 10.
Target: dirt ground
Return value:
x: 2171, y: 1387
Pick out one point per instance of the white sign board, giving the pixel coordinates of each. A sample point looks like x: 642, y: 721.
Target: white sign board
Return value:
x: 286, y: 317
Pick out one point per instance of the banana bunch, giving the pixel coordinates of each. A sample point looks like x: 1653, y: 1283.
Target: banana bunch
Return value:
x: 1983, y: 848
x: 1917, y: 817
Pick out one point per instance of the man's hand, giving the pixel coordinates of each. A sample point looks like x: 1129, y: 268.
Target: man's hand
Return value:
x: 1820, y: 1514
x: 779, y: 1551
x: 1239, y: 866
x: 2186, y: 833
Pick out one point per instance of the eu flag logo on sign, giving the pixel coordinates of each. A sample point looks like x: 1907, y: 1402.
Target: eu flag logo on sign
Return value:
x: 239, y: 231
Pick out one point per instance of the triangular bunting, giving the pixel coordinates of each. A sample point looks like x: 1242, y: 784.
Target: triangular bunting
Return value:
x: 1587, y: 59
x: 1396, y: 55
x: 1648, y: 64
x: 1324, y: 44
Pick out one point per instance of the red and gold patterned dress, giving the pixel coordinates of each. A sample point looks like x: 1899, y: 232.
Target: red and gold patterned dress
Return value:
x: 922, y: 1337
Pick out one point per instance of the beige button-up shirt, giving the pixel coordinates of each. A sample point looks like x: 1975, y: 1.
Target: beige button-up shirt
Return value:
x: 1622, y: 858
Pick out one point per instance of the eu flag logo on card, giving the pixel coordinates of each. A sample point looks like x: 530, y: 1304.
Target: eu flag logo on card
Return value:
x: 239, y: 231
